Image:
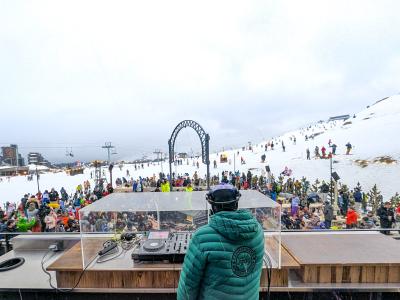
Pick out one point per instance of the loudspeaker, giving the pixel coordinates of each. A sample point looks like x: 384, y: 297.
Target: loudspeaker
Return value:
x: 267, y: 169
x: 335, y: 176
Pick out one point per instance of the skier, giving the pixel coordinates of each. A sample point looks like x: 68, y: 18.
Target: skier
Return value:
x: 308, y: 154
x: 283, y: 147
x: 334, y: 149
x: 263, y: 157
x: 323, y: 150
x: 215, y: 164
x: 316, y: 151
x: 272, y: 145
x: 348, y: 148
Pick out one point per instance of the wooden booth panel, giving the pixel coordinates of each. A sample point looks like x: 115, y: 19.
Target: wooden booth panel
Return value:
x: 125, y: 279
x: 350, y: 274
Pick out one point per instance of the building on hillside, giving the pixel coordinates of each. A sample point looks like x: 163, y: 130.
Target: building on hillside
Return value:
x: 35, y: 158
x: 10, y: 154
x: 13, y: 170
x: 338, y: 118
x: 182, y: 155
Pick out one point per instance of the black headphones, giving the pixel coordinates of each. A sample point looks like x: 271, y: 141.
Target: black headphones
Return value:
x: 128, y: 236
x: 210, y: 196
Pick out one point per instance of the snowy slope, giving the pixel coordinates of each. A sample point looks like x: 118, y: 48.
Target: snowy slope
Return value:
x: 373, y: 133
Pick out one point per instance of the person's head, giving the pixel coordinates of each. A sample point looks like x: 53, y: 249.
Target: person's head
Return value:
x: 223, y: 198
x: 31, y: 206
x: 388, y: 204
x: 10, y: 223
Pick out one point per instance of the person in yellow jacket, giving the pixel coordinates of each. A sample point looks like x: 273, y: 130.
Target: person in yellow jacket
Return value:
x: 189, y: 188
x: 165, y: 188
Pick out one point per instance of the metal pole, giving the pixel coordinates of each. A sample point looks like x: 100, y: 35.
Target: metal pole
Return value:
x: 161, y: 164
x: 37, y: 180
x: 234, y: 162
x: 171, y: 159
x: 208, y: 175
x: 207, y: 159
x: 17, y: 162
x: 331, y: 185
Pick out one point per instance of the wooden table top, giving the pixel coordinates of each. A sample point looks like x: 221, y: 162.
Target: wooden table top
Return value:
x: 342, y: 249
x: 72, y: 261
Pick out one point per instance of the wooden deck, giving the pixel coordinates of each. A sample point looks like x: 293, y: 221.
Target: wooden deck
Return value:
x: 124, y: 273
x: 345, y: 258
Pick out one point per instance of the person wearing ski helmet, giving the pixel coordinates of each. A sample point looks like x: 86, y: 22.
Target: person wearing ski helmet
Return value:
x: 225, y: 257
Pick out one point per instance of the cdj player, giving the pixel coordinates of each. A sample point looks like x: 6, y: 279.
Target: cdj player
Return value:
x: 163, y: 246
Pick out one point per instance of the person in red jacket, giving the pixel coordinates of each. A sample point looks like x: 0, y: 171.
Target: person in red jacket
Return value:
x: 323, y: 150
x: 351, y: 218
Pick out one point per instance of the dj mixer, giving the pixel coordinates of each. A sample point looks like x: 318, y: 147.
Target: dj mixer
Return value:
x: 163, y: 246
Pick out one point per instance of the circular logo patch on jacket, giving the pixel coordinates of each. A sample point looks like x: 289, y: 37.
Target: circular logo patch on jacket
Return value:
x: 243, y: 261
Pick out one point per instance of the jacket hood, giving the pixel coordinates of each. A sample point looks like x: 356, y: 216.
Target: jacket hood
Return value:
x: 235, y: 225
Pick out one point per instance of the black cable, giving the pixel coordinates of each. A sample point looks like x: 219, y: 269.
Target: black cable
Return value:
x: 51, y: 284
x: 125, y: 246
x: 268, y: 263
x: 100, y: 261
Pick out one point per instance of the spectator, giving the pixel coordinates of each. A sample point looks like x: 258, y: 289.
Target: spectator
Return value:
x: 165, y: 187
x: 357, y: 200
x: 51, y: 221
x: 328, y: 214
x: 351, y: 218
x: 386, y: 217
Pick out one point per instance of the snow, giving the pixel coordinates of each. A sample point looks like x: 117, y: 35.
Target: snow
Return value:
x: 373, y: 133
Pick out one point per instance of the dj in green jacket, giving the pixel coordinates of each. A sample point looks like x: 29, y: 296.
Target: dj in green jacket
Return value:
x: 224, y: 259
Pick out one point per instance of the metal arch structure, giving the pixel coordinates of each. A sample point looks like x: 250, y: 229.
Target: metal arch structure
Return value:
x: 205, y: 145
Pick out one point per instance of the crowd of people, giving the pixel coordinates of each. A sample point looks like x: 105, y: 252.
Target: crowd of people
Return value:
x: 352, y: 209
x: 50, y: 211
x: 309, y: 207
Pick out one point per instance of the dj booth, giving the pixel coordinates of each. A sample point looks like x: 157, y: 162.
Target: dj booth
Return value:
x: 156, y: 231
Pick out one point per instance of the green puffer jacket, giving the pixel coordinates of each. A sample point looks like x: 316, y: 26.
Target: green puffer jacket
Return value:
x: 224, y: 259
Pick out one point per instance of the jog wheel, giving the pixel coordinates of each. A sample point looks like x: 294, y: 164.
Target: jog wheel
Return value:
x: 153, y: 245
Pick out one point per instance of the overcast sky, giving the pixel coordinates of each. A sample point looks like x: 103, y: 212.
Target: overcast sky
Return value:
x: 80, y: 73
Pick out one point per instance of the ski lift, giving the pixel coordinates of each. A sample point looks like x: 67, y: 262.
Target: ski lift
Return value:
x: 114, y: 151
x: 69, y: 152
